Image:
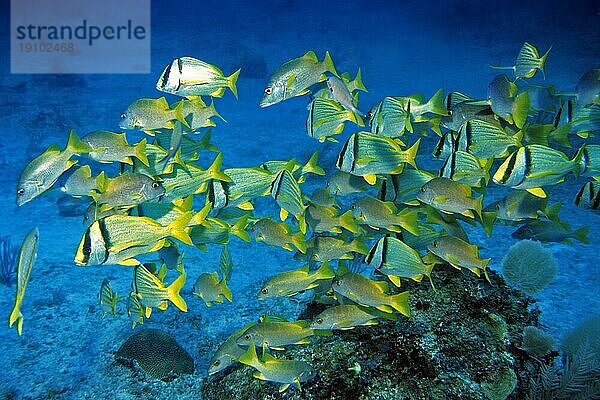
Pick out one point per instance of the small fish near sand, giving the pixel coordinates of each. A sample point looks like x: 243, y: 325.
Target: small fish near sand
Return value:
x: 25, y: 261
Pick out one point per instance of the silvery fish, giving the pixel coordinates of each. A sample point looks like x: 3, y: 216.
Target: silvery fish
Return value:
x: 385, y: 215
x: 326, y: 248
x: 366, y: 154
x: 110, y: 147
x: 292, y: 282
x: 505, y: 101
x: 464, y: 111
x: 278, y: 234
x: 367, y: 292
x: 199, y: 114
x: 396, y: 259
x: 343, y: 183
x: 275, y: 334
x: 151, y: 115
x: 450, y: 196
x: 135, y: 310
x: 217, y: 230
x: 269, y: 368
x: 345, y: 316
x: 228, y: 352
x: 551, y: 231
x: 519, y: 205
x: 459, y: 253
x: 188, y: 76
x: 80, y: 183
x: 588, y: 88
x: 108, y: 299
x: 466, y: 168
x: 108, y: 240
x: 528, y: 62
x: 589, y: 196
x: 152, y: 292
x: 341, y: 92
x: 41, y: 172
x: 403, y: 188
x: 294, y: 77
x: 486, y: 140
x: 129, y: 188
x: 192, y: 179
x: 211, y: 289
x: 533, y: 166
x: 327, y: 219
x: 25, y: 260
x: 286, y: 192
x: 326, y: 118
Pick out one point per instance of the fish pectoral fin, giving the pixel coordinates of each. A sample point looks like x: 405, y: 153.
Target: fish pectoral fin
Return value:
x: 538, y: 192
x: 364, y: 160
x: 283, y: 214
x: 259, y: 375
x: 395, y: 280
x: 246, y: 206
x: 385, y: 308
x: 288, y: 247
x: 290, y: 81
x: 284, y: 387
x: 440, y: 199
x: 163, y: 306
x: 370, y: 178
x: 468, y: 213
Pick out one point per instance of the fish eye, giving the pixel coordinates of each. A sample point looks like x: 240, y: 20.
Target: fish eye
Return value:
x: 87, y: 250
x: 319, y: 320
x: 422, y: 189
x: 217, y: 363
x: 435, y: 243
x: 268, y: 90
x: 155, y: 185
x: 20, y: 191
x: 123, y: 116
x: 264, y: 290
x: 247, y: 337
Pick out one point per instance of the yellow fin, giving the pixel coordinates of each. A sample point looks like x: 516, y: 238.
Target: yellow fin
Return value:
x: 370, y: 178
x: 538, y: 192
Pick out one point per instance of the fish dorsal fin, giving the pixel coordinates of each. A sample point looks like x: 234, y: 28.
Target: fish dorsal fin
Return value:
x: 163, y: 102
x: 310, y: 56
x: 383, y: 286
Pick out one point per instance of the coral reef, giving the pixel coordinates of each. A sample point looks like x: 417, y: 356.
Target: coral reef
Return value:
x: 157, y: 353
x: 443, y: 351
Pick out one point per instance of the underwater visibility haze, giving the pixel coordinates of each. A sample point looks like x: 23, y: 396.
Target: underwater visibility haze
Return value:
x: 357, y: 200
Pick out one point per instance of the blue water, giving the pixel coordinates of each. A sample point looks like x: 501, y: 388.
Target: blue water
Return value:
x: 402, y: 48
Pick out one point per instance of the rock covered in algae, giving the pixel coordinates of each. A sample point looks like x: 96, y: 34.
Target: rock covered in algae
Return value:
x: 157, y: 353
x: 450, y: 348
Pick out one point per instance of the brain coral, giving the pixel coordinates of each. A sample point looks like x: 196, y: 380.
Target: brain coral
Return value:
x: 157, y: 353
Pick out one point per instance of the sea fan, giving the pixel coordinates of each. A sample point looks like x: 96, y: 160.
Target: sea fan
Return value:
x: 8, y: 261
x: 537, y: 342
x: 528, y: 266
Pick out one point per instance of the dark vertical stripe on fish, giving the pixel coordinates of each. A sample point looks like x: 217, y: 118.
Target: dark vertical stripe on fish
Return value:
x: 510, y: 167
x: 180, y: 68
x: 166, y: 75
x: 105, y: 238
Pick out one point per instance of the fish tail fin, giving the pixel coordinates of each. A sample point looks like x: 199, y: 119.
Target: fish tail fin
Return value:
x: 543, y: 62
x: 16, y: 316
x: 561, y: 135
x: 487, y: 221
x: 581, y: 234
x: 225, y: 290
x: 359, y: 246
x: 357, y: 82
x: 250, y: 357
x: 437, y: 103
x: 357, y: 117
x: 400, y: 303
x: 206, y: 144
x: 579, y: 161
x: 520, y: 109
x: 176, y: 229
x: 139, y: 151
x: 214, y: 111
x: 299, y: 241
x: 231, y: 81
x: 239, y: 229
x: 348, y: 222
x: 178, y: 114
x: 552, y: 211
x: 479, y: 207
x: 75, y: 145
x: 487, y: 166
x: 325, y: 271
x: 174, y: 290
x: 411, y: 154
x: 215, y: 169
x: 328, y: 64
x: 312, y: 167
x: 410, y: 221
